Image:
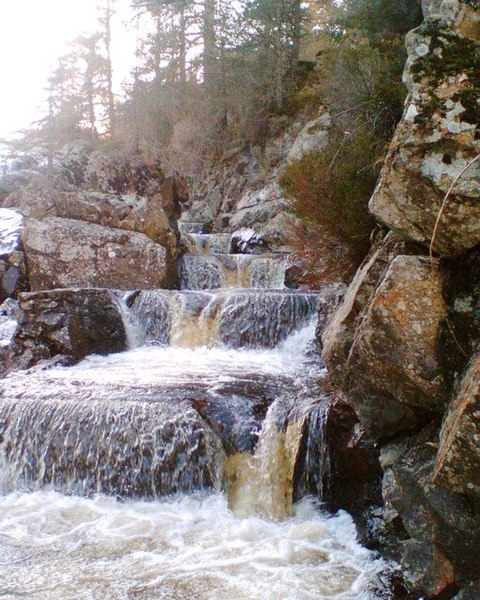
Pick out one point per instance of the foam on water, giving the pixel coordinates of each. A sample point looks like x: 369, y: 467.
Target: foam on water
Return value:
x: 191, y: 548
x: 171, y: 365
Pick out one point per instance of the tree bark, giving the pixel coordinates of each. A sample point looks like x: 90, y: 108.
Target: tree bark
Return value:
x: 109, y: 68
x: 210, y: 45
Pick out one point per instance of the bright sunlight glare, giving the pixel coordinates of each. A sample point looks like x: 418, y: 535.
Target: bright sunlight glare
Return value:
x: 33, y: 34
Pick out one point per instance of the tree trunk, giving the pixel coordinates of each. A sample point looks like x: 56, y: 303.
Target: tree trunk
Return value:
x: 108, y: 41
x: 182, y: 58
x: 279, y: 58
x: 90, y: 92
x: 210, y: 45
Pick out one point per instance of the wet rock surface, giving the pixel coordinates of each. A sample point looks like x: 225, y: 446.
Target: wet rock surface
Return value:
x: 336, y: 461
x: 67, y: 323
x: 445, y: 523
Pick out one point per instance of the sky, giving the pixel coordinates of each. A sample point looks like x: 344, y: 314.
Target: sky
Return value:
x: 33, y: 34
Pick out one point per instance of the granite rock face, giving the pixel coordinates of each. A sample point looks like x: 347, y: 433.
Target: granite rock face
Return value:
x: 458, y: 460
x: 404, y: 344
x: 244, y: 190
x: 381, y: 344
x: 91, y: 226
x: 149, y: 215
x: 439, y: 134
x: 443, y: 545
x: 64, y: 253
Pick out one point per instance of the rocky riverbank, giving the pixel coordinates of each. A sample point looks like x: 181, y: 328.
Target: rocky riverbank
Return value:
x: 404, y: 345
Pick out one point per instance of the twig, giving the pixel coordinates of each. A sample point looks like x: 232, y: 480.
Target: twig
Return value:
x: 444, y: 204
x: 452, y: 333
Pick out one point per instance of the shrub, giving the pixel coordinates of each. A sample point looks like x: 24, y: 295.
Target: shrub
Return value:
x: 329, y: 195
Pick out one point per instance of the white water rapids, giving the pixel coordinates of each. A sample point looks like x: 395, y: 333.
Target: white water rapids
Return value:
x: 66, y: 548
x: 60, y: 547
x: 151, y: 427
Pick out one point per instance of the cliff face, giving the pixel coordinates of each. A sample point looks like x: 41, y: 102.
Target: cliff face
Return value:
x: 404, y: 345
x: 243, y: 190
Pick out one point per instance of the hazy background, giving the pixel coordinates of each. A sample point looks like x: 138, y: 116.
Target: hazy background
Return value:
x: 33, y: 34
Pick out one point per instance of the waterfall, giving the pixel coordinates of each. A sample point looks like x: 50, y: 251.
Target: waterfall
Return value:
x: 208, y: 265
x: 195, y: 417
x: 11, y: 223
x: 97, y: 446
x: 236, y: 319
x: 261, y: 483
x: 208, y: 243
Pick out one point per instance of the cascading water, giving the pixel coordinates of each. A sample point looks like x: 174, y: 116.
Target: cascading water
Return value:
x: 208, y: 264
x: 193, y: 417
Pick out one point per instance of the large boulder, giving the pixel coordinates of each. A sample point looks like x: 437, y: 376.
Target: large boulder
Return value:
x: 71, y: 323
x: 381, y: 345
x: 458, y: 460
x: 439, y: 134
x: 152, y: 216
x: 129, y: 212
x: 64, y: 253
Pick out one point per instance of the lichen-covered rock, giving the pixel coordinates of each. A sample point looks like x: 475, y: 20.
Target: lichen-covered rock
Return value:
x: 64, y: 253
x: 442, y: 545
x: 381, y: 345
x: 70, y: 323
x: 123, y: 175
x: 439, y: 134
x: 338, y: 337
x: 458, y: 461
x: 37, y: 200
x: 130, y: 212
x: 312, y: 138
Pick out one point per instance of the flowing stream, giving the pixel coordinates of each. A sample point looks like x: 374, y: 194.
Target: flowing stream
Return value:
x: 165, y: 472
